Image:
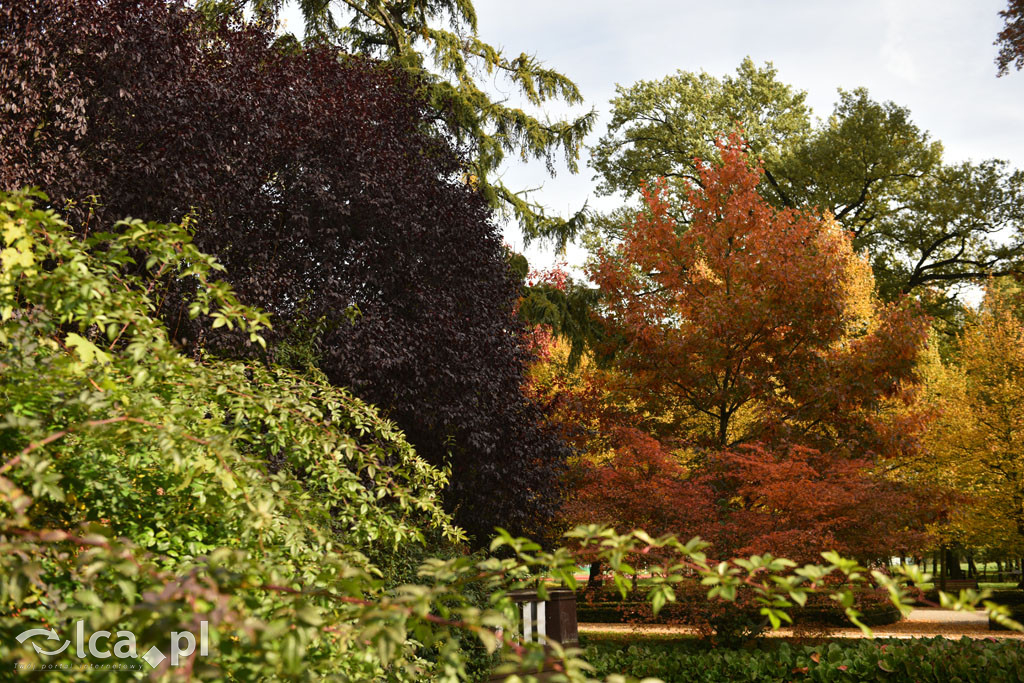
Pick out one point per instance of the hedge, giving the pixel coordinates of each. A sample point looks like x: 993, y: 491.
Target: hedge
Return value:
x: 626, y: 612
x: 923, y: 660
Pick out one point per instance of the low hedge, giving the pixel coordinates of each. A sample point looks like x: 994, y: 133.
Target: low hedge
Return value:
x: 675, y: 613
x: 726, y: 623
x: 934, y: 659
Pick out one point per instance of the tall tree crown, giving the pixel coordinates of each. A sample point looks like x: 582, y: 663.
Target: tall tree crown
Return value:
x: 325, y: 190
x: 438, y: 42
x: 928, y: 226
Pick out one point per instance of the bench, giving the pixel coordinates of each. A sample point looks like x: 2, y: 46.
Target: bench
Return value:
x: 955, y: 585
x: 542, y: 621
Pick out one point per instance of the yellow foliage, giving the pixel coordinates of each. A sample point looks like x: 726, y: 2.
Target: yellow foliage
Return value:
x: 976, y: 443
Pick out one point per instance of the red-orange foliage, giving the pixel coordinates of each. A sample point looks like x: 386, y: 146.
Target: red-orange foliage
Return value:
x: 799, y: 501
x: 641, y: 486
x: 749, y: 307
x: 761, y: 325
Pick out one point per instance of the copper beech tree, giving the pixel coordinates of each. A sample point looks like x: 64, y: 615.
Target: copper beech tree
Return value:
x: 322, y: 185
x: 753, y: 334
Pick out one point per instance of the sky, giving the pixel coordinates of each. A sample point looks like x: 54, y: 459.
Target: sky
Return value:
x: 935, y: 57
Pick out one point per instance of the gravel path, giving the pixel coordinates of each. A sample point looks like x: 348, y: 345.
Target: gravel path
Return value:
x: 920, y: 623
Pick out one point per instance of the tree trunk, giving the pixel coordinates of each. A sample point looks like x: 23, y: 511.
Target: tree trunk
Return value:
x: 972, y: 569
x: 944, y: 561
x: 951, y: 565
x: 594, y: 580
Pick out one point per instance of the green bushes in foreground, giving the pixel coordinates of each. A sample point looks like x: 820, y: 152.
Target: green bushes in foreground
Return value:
x: 935, y: 659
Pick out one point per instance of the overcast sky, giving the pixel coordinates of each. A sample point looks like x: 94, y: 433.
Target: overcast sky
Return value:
x: 934, y: 57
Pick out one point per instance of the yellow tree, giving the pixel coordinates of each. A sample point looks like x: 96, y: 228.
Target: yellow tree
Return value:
x: 976, y: 443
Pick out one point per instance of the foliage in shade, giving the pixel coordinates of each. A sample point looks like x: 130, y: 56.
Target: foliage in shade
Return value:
x: 754, y: 335
x: 325, y: 190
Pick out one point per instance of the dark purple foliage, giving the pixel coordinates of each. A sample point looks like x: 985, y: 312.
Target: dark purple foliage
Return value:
x: 322, y: 184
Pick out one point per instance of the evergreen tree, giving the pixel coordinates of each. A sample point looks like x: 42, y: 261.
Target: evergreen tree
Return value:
x: 438, y: 41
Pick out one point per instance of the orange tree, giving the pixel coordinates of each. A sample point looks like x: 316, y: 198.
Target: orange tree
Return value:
x: 754, y: 333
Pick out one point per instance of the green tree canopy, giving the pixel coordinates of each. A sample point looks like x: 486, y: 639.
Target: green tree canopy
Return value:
x: 928, y: 225
x: 438, y: 41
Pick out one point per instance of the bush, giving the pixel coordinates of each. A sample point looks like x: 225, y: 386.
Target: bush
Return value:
x: 727, y: 622
x: 937, y: 659
x: 143, y: 490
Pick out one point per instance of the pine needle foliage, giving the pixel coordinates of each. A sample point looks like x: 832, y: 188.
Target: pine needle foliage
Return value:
x: 439, y: 42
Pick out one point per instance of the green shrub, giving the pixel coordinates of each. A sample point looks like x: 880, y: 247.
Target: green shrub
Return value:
x: 144, y: 490
x: 938, y: 659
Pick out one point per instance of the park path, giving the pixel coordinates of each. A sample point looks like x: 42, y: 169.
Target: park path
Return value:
x: 920, y: 623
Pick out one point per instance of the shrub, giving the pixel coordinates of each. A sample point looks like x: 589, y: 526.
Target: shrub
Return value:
x: 145, y: 490
x: 924, y: 660
x: 728, y: 622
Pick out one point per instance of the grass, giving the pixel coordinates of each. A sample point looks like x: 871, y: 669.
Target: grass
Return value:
x: 1004, y: 586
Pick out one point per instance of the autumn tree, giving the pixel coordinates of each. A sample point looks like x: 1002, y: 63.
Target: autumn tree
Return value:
x: 324, y: 188
x: 620, y: 475
x: 928, y: 225
x: 761, y: 323
x: 975, y: 445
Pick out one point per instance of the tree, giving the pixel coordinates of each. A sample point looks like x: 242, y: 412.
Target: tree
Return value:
x: 437, y: 41
x: 761, y: 323
x: 621, y: 475
x: 974, y: 446
x: 928, y: 226
x: 1011, y: 38
x: 797, y: 500
x: 325, y: 190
